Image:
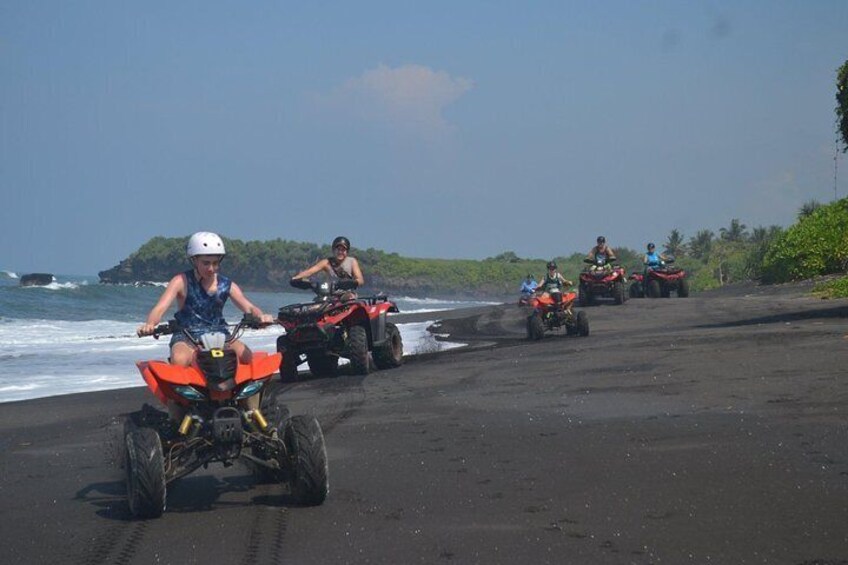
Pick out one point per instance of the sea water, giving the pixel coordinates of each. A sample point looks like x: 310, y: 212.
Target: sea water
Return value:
x: 76, y: 335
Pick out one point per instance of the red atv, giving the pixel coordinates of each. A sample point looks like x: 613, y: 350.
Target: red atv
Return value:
x: 218, y: 425
x: 601, y: 279
x: 552, y: 311
x: 661, y: 281
x: 637, y: 285
x: 334, y: 325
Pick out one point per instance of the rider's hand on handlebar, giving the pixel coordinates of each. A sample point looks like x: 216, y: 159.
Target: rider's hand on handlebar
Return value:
x: 145, y: 329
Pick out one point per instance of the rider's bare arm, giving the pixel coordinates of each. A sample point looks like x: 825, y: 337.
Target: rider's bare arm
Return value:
x: 246, y: 306
x: 357, y: 272
x: 321, y: 265
x: 176, y: 287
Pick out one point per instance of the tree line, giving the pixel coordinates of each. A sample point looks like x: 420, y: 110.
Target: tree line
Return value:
x: 816, y: 244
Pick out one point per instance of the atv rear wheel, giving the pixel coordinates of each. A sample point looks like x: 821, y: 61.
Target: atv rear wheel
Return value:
x: 310, y: 475
x: 357, y: 350
x: 145, y: 469
x: 321, y: 364
x: 653, y: 288
x: 390, y: 354
x: 582, y: 324
x: 535, y: 327
x: 683, y: 288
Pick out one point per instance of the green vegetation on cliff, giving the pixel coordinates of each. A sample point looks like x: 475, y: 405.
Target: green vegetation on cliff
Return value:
x: 270, y: 265
x: 817, y: 244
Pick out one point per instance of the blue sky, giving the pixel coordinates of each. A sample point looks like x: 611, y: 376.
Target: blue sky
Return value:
x: 431, y: 129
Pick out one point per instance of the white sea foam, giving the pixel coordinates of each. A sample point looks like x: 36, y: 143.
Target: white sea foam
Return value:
x: 410, y: 305
x: 59, y: 286
x: 11, y: 274
x: 53, y: 357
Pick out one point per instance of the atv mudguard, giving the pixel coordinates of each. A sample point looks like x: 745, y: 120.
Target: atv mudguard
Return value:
x: 262, y: 365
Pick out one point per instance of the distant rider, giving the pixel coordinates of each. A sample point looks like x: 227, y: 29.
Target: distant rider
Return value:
x: 201, y: 294
x: 529, y: 285
x: 652, y: 259
x: 602, y: 249
x: 340, y: 265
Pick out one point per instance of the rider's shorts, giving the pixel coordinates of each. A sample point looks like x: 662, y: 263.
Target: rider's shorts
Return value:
x: 181, y: 337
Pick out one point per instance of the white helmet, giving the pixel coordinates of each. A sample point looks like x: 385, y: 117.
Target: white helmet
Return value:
x: 205, y: 243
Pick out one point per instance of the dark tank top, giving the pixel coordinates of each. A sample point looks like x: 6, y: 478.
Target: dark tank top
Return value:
x: 343, y: 269
x: 203, y: 312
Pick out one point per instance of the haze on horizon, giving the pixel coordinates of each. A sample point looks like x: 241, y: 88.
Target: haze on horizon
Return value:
x: 454, y: 130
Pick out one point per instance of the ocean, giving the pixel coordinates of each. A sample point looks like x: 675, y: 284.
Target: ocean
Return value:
x: 76, y: 335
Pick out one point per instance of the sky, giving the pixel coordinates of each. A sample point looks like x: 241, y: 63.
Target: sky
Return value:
x: 430, y: 129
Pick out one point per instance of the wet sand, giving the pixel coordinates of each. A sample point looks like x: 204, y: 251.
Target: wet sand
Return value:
x: 702, y: 430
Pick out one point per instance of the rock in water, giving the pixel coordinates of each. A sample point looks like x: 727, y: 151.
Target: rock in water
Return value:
x: 37, y: 279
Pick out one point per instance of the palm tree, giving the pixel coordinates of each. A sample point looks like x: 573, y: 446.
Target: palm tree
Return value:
x: 762, y: 234
x: 808, y: 208
x: 736, y: 232
x: 700, y: 244
x: 674, y: 244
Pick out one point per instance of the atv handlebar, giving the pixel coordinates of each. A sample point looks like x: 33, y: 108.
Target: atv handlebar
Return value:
x: 167, y: 328
x: 247, y: 321
x: 301, y: 283
x: 343, y: 284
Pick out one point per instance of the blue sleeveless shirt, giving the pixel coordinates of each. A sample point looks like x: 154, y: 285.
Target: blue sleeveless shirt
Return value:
x: 653, y: 259
x: 203, y: 312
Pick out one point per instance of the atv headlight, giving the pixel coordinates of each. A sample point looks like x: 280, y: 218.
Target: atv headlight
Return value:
x: 250, y: 389
x: 189, y: 393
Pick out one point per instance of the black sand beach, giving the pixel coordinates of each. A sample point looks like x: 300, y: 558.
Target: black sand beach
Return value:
x: 702, y: 430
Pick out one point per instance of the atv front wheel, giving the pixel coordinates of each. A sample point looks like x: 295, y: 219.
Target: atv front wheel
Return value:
x: 390, y: 354
x: 582, y: 324
x: 618, y: 292
x: 278, y: 416
x: 635, y: 290
x: 291, y: 359
x: 583, y: 296
x: 145, y: 468
x: 683, y: 288
x: 321, y: 364
x: 535, y: 327
x: 357, y: 350
x: 653, y: 289
x: 310, y: 475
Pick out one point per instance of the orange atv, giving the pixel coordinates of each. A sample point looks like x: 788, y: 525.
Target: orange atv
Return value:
x: 218, y: 425
x: 552, y: 311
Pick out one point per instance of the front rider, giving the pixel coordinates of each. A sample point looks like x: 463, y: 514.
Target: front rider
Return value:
x: 201, y: 294
x: 554, y: 283
x: 340, y: 265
